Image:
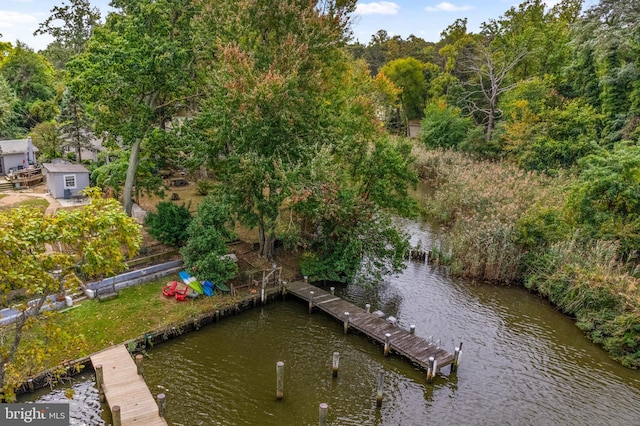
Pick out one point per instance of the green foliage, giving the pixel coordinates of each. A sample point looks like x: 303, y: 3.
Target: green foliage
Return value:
x: 8, y: 100
x: 204, y: 187
x: 407, y: 74
x: 351, y: 240
x: 606, y: 201
x: 169, y: 224
x: 207, y: 234
x: 443, y: 126
x: 587, y: 280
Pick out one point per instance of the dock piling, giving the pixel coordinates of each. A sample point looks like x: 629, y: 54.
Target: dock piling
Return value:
x: 116, y: 415
x: 280, y: 380
x: 99, y: 381
x: 139, y: 364
x: 346, y: 322
x: 162, y: 404
x: 380, y: 388
x: 431, y: 371
x: 311, y: 293
x: 412, y: 329
x: 336, y: 364
x: 324, y: 409
x: 387, y: 343
x: 332, y: 290
x: 367, y: 308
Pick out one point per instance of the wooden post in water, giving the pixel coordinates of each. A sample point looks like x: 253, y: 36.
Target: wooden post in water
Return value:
x: 456, y: 358
x: 380, y: 388
x: 280, y: 380
x: 139, y: 364
x: 346, y: 322
x: 263, y: 296
x: 162, y: 404
x: 324, y: 409
x: 336, y: 364
x: 306, y: 279
x: 431, y: 370
x: 311, y: 293
x: 412, y: 329
x: 116, y: 416
x: 217, y: 315
x: 367, y: 308
x: 99, y: 381
x: 387, y: 343
x: 332, y: 290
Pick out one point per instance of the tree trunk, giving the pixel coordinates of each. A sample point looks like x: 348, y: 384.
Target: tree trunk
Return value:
x: 131, y: 176
x: 267, y: 242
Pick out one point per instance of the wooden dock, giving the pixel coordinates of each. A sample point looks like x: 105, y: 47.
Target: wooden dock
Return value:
x: 123, y: 387
x: 401, y: 341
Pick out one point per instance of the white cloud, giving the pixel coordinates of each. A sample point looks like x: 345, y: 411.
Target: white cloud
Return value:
x: 12, y: 19
x: 447, y: 7
x: 377, y: 8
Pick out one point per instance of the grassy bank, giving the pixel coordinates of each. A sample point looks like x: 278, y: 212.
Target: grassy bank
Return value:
x: 509, y: 226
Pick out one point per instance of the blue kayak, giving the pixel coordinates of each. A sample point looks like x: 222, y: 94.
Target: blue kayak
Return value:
x: 208, y: 288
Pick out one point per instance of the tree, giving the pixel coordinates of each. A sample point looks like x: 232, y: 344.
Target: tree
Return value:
x: 443, y: 126
x: 208, y: 233
x: 169, y: 224
x: 31, y: 77
x: 138, y: 70
x: 266, y: 114
x: 407, y: 74
x: 8, y: 100
x: 74, y: 124
x: 46, y: 137
x: 91, y: 241
x: 71, y: 26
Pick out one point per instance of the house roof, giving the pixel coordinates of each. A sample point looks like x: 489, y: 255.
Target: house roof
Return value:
x: 65, y: 168
x: 15, y: 146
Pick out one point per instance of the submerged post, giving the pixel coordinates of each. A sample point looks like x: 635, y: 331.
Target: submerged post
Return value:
x: 412, y: 329
x: 99, y: 381
x: 346, y: 322
x: 139, y: 364
x: 116, y: 417
x: 311, y: 293
x: 336, y: 364
x: 162, y: 404
x: 387, y: 343
x: 324, y: 409
x: 380, y: 388
x: 280, y: 380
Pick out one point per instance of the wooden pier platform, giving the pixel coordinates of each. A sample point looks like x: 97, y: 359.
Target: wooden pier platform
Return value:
x: 125, y: 388
x: 402, y: 342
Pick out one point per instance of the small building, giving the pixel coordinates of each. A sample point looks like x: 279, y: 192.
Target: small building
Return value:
x: 64, y: 179
x: 16, y: 154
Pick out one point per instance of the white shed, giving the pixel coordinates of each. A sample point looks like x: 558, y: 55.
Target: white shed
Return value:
x: 64, y: 179
x: 16, y: 154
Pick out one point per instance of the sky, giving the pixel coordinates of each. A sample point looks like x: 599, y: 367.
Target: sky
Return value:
x: 423, y: 18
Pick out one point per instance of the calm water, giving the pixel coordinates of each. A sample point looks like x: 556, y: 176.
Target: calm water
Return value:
x: 523, y: 363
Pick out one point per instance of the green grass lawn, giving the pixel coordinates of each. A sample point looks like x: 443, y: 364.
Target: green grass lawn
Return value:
x: 136, y: 311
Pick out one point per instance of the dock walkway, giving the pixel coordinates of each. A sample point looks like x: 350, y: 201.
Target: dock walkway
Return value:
x: 125, y: 388
x: 402, y: 342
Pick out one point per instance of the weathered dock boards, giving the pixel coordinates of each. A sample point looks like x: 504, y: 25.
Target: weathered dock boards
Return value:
x: 125, y: 388
x: 413, y: 347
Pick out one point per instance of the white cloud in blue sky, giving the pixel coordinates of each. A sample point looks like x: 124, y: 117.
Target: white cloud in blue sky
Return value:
x: 377, y: 8
x: 447, y: 7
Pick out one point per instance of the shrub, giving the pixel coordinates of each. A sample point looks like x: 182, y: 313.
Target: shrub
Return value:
x: 169, y: 224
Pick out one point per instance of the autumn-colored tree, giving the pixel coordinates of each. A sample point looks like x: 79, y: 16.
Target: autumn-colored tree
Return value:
x: 42, y: 255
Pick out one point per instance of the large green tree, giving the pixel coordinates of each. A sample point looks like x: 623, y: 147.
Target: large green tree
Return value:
x: 266, y: 112
x: 138, y: 71
x: 407, y: 74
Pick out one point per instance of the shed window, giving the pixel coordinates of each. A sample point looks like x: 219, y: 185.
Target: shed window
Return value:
x: 70, y: 181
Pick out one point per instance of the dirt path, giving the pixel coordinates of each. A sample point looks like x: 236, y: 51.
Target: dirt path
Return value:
x: 12, y: 198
